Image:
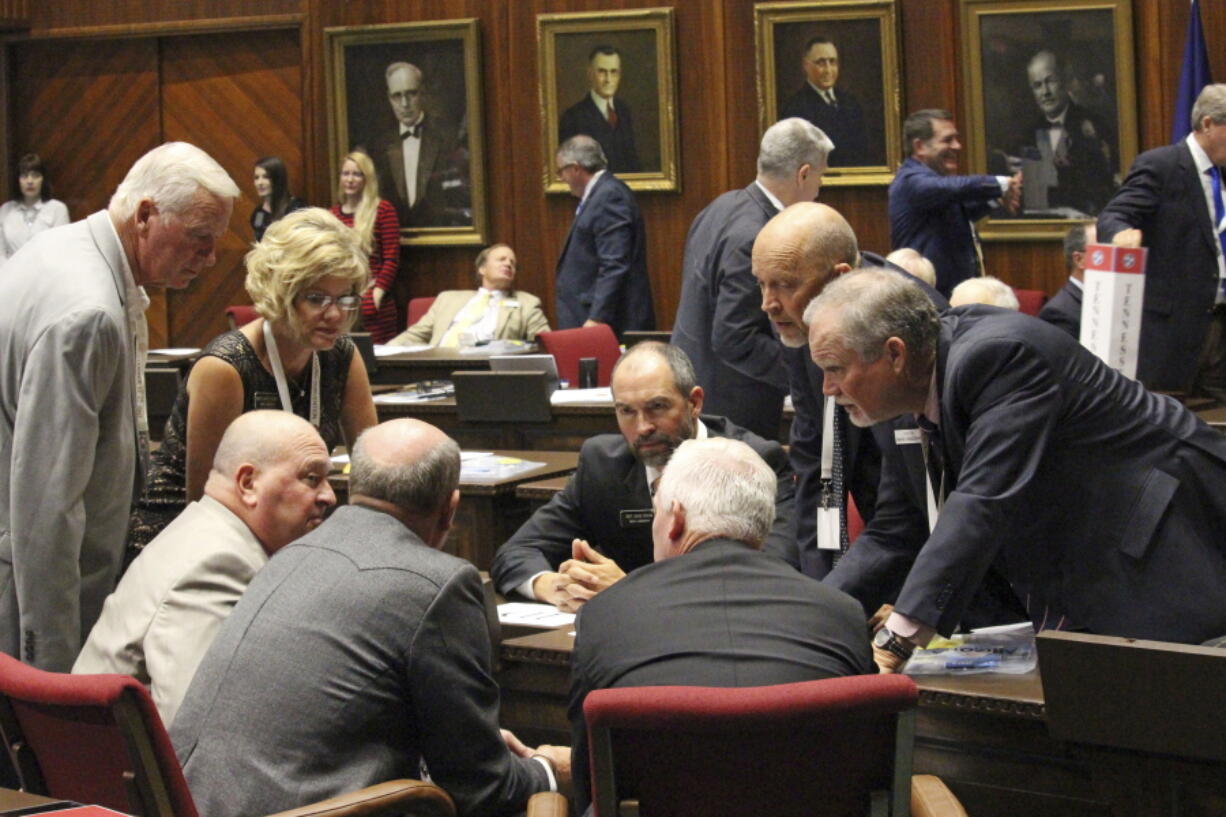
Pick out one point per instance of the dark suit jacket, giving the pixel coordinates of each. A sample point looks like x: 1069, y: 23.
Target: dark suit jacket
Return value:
x: 607, y: 502
x: 354, y: 654
x: 602, y: 272
x: 722, y: 615
x: 1100, y: 500
x: 1064, y: 309
x: 719, y: 322
x: 931, y: 214
x: 844, y: 125
x: 1082, y: 160
x: 1162, y: 196
x: 617, y: 143
x: 443, y: 197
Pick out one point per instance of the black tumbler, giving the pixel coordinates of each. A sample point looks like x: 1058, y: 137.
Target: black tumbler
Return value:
x: 587, y: 372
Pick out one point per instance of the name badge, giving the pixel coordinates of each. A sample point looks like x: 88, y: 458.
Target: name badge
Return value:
x: 266, y: 400
x: 637, y: 518
x: 907, y: 436
x: 511, y: 304
x: 828, y: 529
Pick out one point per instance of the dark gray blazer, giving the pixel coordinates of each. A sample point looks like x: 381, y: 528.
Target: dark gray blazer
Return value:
x: 607, y: 502
x: 1100, y: 501
x: 721, y: 615
x: 356, y: 653
x: 1064, y: 309
x: 720, y: 323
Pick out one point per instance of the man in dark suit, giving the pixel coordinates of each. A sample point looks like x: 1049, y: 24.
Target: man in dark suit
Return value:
x: 795, y: 255
x: 1167, y: 204
x: 712, y: 610
x: 602, y: 272
x: 419, y: 168
x: 1013, y: 412
x: 836, y: 111
x: 719, y: 325
x: 932, y: 210
x: 607, y: 503
x: 601, y: 115
x: 359, y: 652
x: 1064, y: 309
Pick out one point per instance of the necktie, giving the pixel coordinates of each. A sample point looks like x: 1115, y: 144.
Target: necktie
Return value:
x: 472, y: 313
x: 1219, y: 209
x: 836, y: 478
x: 830, y: 100
x: 612, y: 116
x: 414, y: 131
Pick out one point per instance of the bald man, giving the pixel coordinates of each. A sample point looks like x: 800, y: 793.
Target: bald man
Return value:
x: 364, y: 650
x: 268, y: 486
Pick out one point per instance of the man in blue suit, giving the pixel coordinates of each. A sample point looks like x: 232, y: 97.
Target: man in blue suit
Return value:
x: 1011, y: 413
x: 932, y: 209
x: 602, y: 273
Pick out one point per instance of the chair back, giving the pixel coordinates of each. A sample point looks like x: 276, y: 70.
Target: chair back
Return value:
x: 95, y: 739
x: 1030, y: 301
x: 568, y: 345
x: 416, y: 309
x: 840, y: 746
x: 240, y: 315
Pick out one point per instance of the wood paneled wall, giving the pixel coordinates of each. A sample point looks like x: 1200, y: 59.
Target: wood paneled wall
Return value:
x: 92, y: 85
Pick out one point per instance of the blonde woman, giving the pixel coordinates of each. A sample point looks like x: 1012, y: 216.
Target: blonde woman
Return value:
x: 305, y: 278
x: 375, y: 221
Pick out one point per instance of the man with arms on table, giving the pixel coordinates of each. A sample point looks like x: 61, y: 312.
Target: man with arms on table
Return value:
x: 713, y: 610
x: 74, y: 428
x: 1012, y: 411
x: 602, y: 273
x: 358, y: 653
x: 719, y: 325
x: 268, y: 486
x: 598, y: 528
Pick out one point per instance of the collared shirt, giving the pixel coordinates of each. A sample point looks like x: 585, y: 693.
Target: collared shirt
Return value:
x: 1056, y: 129
x: 769, y: 195
x: 587, y: 190
x: 827, y: 95
x: 602, y: 104
x: 20, y: 222
x: 1203, y: 165
x: 136, y: 301
x: 484, y: 326
x: 1077, y: 283
x: 411, y: 150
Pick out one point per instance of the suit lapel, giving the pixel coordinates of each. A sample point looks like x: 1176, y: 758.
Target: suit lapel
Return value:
x: 1187, y: 166
x: 426, y: 159
x: 758, y: 197
x: 395, y: 164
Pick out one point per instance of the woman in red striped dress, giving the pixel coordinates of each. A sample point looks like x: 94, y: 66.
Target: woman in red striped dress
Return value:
x: 375, y: 220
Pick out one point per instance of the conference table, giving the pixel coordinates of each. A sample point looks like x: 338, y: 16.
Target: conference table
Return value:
x: 438, y: 364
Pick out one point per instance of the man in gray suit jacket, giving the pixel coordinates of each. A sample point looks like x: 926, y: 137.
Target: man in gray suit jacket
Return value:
x: 268, y: 486
x: 719, y: 324
x: 359, y: 652
x: 73, y: 430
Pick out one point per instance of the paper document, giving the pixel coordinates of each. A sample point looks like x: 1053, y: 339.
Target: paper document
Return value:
x: 599, y: 395
x: 528, y: 614
x: 384, y: 350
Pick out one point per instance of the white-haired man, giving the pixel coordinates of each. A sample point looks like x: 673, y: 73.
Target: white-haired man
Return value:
x: 713, y: 610
x: 268, y: 486
x: 73, y: 433
x: 986, y: 289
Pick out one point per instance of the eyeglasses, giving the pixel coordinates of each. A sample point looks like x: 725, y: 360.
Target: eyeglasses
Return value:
x: 319, y: 301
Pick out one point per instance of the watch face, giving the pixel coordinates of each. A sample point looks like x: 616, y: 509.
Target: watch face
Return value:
x: 881, y: 638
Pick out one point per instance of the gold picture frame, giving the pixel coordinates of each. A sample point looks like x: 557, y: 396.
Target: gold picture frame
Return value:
x: 867, y: 113
x: 447, y: 205
x: 1021, y: 61
x: 642, y: 145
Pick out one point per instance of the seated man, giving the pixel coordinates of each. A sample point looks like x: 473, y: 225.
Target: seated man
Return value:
x: 1064, y: 308
x: 496, y: 311
x: 712, y: 610
x: 268, y: 486
x: 360, y: 652
x: 602, y: 518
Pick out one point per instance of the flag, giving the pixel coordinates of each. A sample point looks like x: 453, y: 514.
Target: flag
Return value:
x: 1192, y: 77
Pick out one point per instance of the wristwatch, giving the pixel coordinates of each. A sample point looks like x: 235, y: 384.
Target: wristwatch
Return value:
x: 893, y: 644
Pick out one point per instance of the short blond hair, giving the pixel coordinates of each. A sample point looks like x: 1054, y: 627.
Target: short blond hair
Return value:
x: 297, y: 251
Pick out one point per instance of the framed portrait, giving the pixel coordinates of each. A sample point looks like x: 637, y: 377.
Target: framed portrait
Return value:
x: 837, y: 65
x: 1049, y: 93
x: 611, y: 75
x: 409, y: 95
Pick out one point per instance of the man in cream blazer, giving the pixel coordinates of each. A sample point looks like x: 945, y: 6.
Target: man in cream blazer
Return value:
x: 268, y: 486
x: 496, y: 311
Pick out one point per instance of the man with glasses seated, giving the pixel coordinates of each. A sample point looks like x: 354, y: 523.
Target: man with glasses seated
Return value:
x: 304, y: 278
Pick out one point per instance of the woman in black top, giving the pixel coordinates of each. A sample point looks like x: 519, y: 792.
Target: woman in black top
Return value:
x: 272, y: 186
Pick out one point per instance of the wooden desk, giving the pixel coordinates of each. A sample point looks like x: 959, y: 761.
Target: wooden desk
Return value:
x: 541, y: 491
x: 434, y: 364
x: 14, y: 800
x: 570, y: 426
x: 489, y: 511
x: 984, y: 735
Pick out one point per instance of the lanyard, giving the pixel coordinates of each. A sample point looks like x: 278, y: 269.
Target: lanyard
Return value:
x: 828, y: 441
x: 934, y: 505
x: 278, y: 372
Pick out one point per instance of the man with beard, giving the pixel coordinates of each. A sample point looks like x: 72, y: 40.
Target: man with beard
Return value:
x: 602, y: 519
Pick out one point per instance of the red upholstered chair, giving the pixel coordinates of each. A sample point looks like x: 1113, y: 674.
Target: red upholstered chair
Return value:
x: 1030, y: 301
x: 416, y: 309
x: 98, y: 739
x: 568, y: 345
x: 835, y: 747
x: 240, y: 315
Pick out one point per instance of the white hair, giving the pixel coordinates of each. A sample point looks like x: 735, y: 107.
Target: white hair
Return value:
x: 986, y: 290
x: 725, y: 488
x: 171, y: 175
x: 790, y: 143
x: 914, y: 263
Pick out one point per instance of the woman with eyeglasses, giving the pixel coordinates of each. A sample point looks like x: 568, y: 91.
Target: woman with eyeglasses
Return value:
x: 359, y: 206
x: 304, y: 278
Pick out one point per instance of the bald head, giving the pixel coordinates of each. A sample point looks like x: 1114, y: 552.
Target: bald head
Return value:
x: 271, y: 471
x: 795, y: 255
